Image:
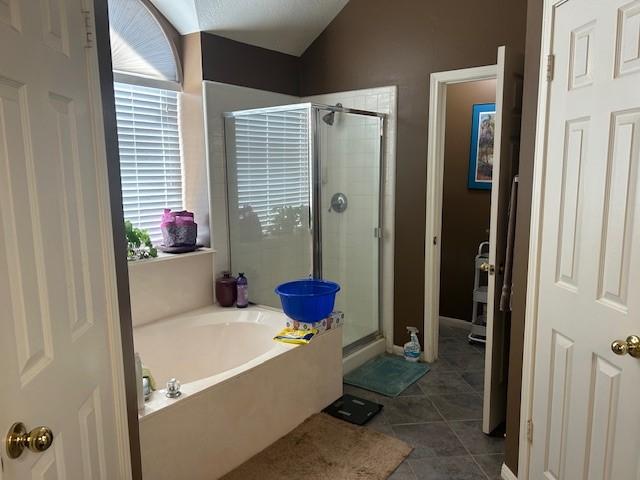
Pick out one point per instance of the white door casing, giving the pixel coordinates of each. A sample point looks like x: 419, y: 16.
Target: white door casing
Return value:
x: 585, y: 410
x: 509, y: 76
x: 433, y: 207
x: 506, y: 148
x: 60, y: 340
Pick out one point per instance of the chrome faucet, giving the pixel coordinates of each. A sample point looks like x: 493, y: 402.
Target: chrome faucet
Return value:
x: 173, y: 388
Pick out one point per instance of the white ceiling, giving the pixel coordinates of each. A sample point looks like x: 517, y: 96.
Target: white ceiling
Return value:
x: 287, y: 26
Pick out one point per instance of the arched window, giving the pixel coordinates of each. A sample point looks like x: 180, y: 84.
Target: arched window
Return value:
x: 139, y: 45
x: 147, y: 84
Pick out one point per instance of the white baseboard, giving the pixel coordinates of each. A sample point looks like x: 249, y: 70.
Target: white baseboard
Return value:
x: 506, y: 473
x: 455, y: 322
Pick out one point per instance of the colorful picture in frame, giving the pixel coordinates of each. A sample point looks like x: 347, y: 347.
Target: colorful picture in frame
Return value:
x: 481, y: 152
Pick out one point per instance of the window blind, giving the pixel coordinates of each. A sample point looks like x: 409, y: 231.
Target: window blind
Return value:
x: 150, y: 160
x: 272, y: 165
x: 139, y: 45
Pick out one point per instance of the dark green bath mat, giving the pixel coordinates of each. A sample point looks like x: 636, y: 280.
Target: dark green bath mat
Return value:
x: 389, y: 375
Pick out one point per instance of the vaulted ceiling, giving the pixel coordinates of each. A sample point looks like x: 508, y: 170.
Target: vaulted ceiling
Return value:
x: 287, y: 26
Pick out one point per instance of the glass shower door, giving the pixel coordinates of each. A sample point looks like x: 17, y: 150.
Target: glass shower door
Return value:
x: 349, y: 169
x: 268, y: 193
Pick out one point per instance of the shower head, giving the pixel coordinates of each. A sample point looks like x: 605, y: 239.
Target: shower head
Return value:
x: 330, y: 117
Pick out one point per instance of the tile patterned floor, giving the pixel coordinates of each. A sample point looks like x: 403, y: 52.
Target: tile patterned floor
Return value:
x: 441, y: 416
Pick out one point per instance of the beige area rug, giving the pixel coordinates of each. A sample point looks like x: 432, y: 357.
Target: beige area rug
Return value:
x: 325, y: 448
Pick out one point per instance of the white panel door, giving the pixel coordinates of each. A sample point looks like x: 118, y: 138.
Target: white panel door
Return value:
x: 59, y: 336
x: 586, y: 411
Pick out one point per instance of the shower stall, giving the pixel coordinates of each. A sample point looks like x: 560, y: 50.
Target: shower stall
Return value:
x: 304, y: 195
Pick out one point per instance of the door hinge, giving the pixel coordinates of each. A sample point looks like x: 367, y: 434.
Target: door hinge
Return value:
x: 378, y: 233
x: 551, y: 61
x: 530, y: 430
x: 88, y: 29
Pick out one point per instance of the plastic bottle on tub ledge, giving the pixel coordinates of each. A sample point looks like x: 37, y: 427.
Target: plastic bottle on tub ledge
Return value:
x: 242, y: 285
x: 412, y: 347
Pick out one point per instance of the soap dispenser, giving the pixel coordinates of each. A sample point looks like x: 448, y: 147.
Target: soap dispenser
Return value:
x: 412, y: 347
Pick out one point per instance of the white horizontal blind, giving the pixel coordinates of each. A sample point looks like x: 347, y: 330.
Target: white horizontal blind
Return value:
x: 272, y: 163
x: 150, y: 160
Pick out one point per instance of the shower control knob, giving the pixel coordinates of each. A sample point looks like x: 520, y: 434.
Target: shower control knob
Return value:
x: 339, y: 202
x: 173, y: 388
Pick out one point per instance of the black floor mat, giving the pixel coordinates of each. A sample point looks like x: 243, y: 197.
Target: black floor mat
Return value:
x: 353, y: 409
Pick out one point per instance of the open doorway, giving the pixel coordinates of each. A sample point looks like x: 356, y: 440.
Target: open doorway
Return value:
x: 466, y: 208
x: 467, y: 258
x: 464, y: 242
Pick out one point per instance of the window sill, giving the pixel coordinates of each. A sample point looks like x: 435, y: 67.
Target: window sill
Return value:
x: 166, y: 257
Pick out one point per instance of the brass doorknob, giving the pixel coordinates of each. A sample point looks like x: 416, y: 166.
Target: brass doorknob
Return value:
x: 631, y: 346
x: 37, y: 440
x: 487, y: 267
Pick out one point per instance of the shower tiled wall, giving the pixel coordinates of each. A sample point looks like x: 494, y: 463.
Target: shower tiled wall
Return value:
x: 350, y: 156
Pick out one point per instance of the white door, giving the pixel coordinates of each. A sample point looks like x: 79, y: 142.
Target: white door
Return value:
x: 59, y: 336
x: 509, y: 76
x: 586, y: 411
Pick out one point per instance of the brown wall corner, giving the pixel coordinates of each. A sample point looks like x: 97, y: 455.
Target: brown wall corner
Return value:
x: 521, y: 251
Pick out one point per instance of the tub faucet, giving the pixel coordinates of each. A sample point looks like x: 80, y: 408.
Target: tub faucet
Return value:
x: 173, y: 388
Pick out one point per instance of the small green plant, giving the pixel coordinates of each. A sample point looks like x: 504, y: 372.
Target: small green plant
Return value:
x: 139, y: 244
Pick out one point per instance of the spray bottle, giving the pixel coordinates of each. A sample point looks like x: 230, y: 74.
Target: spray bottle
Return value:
x: 412, y: 347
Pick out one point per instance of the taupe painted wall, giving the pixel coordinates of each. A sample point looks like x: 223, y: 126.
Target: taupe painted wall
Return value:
x: 374, y: 43
x: 465, y: 212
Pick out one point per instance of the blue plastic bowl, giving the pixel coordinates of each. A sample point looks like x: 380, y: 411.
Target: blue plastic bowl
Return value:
x: 308, y: 301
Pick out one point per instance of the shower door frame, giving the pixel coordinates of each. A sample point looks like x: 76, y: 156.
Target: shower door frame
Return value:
x: 316, y: 207
x: 315, y: 195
